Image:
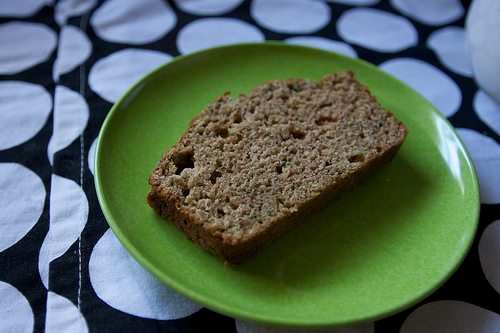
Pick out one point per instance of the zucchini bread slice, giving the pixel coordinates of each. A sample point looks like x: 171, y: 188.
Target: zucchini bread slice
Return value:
x: 251, y: 168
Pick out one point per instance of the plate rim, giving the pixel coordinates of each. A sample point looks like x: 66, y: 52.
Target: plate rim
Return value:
x: 218, y: 307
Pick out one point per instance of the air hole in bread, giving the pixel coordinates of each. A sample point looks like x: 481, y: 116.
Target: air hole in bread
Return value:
x: 220, y: 212
x: 357, y: 158
x: 237, y: 118
x: 221, y: 131
x: 186, y: 192
x: 297, y: 134
x: 279, y: 169
x: 183, y: 160
x: 215, y: 174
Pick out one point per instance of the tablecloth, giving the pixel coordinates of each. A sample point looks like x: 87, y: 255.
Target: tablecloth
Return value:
x: 64, y: 63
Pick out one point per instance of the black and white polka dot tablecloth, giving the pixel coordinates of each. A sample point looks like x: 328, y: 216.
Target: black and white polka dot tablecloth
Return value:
x: 64, y: 63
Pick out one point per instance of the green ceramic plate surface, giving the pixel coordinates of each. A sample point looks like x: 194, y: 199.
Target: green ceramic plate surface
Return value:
x: 381, y: 248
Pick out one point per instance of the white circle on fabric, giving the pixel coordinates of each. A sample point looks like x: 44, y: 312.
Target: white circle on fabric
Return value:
x: 211, y: 32
x: 21, y: 9
x: 133, y: 22
x: 25, y: 110
x: 248, y: 327
x: 16, y: 314
x: 483, y: 37
x: 22, y: 199
x: 429, y: 81
x: 430, y: 12
x: 69, y: 210
x: 451, y: 316
x: 65, y: 9
x: 112, y: 76
x: 24, y: 45
x: 207, y: 7
x: 377, y: 30
x: 355, y: 2
x: 63, y: 316
x: 126, y: 286
x: 71, y: 114
x: 44, y: 261
x: 74, y: 49
x: 487, y: 110
x: 489, y: 254
x: 91, y: 157
x: 324, y: 44
x: 449, y: 44
x: 291, y: 16
x: 485, y: 153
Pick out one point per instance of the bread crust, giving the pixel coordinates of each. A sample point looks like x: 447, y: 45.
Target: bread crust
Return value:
x: 218, y: 219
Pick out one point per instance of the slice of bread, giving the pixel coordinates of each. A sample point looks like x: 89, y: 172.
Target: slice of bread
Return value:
x: 251, y: 168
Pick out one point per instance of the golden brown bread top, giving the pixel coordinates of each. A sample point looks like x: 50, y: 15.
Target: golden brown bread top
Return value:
x: 247, y: 161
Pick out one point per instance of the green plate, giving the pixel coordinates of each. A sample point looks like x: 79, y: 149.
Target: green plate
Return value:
x: 381, y: 248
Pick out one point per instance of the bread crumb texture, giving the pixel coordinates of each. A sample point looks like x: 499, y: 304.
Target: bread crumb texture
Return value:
x: 245, y: 163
